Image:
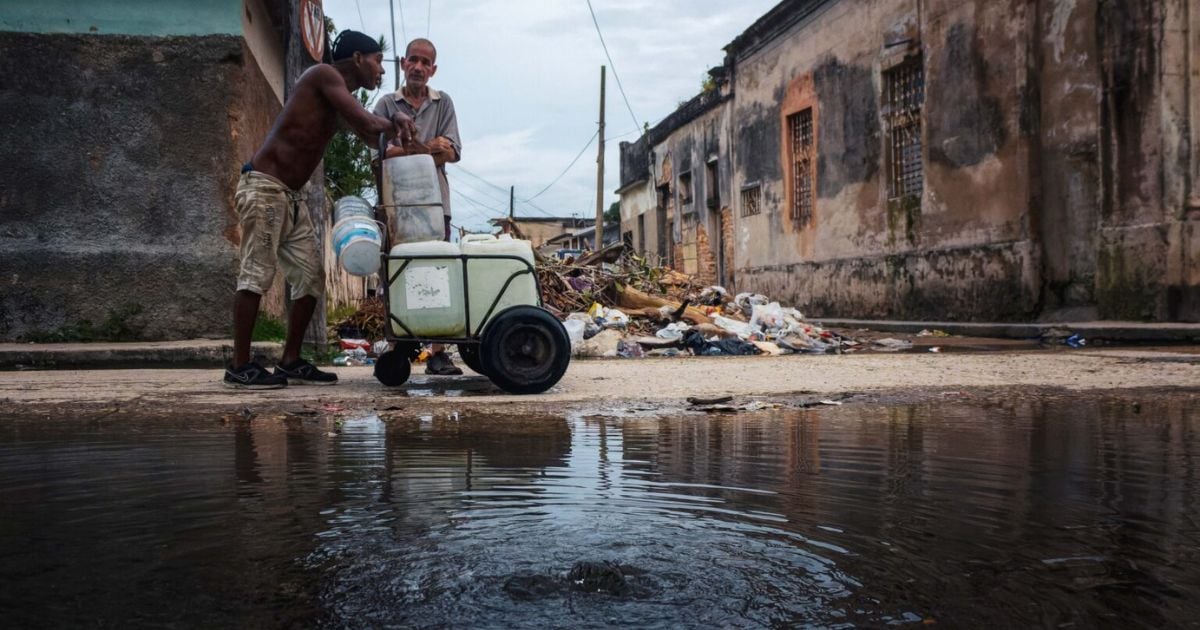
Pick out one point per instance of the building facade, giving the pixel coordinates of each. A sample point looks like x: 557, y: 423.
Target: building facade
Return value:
x: 930, y: 159
x: 125, y: 128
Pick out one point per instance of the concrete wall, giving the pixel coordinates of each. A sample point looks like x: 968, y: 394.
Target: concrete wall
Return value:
x: 117, y: 176
x: 123, y: 17
x: 1058, y: 147
x: 962, y: 250
x: 686, y: 155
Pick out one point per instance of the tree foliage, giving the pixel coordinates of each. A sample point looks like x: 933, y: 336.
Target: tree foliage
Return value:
x: 613, y: 214
x: 348, y: 163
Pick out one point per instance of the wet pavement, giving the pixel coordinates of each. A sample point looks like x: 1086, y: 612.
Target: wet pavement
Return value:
x: 1067, y: 510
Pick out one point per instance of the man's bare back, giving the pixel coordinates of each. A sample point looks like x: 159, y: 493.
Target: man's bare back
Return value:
x: 297, y: 142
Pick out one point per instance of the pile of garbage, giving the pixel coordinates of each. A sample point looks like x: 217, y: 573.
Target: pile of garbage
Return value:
x: 614, y: 303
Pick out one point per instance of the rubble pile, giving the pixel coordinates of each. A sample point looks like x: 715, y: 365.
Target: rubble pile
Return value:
x: 614, y: 303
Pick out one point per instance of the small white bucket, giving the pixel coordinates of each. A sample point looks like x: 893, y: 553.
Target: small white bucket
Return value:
x: 356, y: 243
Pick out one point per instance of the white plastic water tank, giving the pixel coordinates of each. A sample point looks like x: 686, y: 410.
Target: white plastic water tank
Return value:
x: 428, y: 295
x: 486, y: 276
x: 412, y: 196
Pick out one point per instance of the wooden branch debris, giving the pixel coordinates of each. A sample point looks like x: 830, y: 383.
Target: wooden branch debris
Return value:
x: 632, y: 299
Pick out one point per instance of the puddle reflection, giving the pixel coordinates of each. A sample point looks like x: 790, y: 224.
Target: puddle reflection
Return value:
x: 1035, y: 512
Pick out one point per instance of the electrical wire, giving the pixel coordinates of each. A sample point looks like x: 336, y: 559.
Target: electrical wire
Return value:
x: 403, y: 30
x: 564, y: 171
x: 486, y: 195
x: 611, y: 64
x: 361, y: 22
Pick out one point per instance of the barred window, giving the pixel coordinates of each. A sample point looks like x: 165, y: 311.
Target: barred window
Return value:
x: 800, y: 128
x: 751, y: 200
x: 904, y: 96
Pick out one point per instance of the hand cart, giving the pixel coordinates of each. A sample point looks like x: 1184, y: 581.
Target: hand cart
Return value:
x: 522, y: 348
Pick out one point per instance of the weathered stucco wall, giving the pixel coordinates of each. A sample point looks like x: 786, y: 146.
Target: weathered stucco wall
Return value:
x: 1059, y: 146
x: 684, y: 162
x: 117, y: 176
x: 964, y: 249
x: 123, y: 17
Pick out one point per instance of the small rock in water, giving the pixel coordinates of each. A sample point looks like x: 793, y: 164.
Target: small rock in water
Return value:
x: 598, y: 577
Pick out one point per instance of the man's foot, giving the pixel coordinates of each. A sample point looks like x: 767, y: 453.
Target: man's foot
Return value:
x: 253, y: 376
x: 439, y: 364
x: 304, y: 373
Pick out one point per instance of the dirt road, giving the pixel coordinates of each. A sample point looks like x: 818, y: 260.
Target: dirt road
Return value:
x: 602, y: 384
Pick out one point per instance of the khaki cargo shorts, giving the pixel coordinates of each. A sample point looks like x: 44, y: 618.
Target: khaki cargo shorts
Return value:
x: 276, y: 227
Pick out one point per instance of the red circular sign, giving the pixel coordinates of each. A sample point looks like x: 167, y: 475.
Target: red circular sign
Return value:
x: 312, y: 28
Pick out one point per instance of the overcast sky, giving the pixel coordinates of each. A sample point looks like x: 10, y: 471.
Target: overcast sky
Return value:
x: 525, y: 79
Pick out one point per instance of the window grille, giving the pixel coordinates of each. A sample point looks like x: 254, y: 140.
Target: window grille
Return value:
x: 905, y: 85
x: 751, y: 199
x: 800, y: 126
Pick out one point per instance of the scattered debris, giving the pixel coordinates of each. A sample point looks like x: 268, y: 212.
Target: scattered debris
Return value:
x: 615, y: 303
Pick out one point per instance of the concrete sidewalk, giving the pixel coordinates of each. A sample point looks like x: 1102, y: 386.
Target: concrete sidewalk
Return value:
x: 1114, y: 331
x: 186, y: 353
x: 216, y: 352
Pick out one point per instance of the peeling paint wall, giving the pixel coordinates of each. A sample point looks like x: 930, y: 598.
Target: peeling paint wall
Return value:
x: 103, y: 210
x: 1059, y: 145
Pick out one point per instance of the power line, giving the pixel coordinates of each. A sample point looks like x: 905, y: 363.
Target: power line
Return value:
x: 361, y: 22
x: 403, y: 31
x: 564, y: 172
x: 465, y: 171
x: 611, y: 64
x: 462, y: 182
x: 505, y: 191
x: 479, y: 204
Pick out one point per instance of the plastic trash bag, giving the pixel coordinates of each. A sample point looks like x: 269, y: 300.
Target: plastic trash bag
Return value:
x: 746, y: 301
x: 575, y: 330
x: 767, y: 316
x: 673, y: 331
x: 741, y: 329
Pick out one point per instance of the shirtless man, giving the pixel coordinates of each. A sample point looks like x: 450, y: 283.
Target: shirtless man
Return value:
x: 275, y: 225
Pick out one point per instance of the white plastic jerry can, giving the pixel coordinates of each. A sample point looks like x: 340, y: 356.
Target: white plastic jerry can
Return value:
x: 428, y: 295
x: 486, y: 276
x: 412, y: 197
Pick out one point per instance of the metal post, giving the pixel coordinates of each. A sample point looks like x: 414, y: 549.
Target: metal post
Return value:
x: 600, y: 172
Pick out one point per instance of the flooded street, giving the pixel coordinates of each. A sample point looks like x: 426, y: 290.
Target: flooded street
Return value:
x: 1043, y: 511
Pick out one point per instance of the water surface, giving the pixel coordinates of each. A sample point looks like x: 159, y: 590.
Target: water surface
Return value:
x: 1043, y: 512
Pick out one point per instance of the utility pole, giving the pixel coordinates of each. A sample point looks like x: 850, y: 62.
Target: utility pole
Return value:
x: 395, y: 44
x: 512, y: 193
x: 600, y: 172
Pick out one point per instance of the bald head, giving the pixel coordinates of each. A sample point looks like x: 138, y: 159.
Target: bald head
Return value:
x: 421, y: 42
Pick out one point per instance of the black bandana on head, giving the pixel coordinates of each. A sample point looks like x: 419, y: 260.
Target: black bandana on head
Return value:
x: 349, y: 42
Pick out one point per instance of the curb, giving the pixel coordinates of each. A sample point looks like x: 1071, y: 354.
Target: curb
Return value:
x: 192, y: 354
x: 1133, y: 332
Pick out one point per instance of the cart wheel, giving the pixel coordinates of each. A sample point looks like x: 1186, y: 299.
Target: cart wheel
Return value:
x: 525, y: 350
x: 392, y: 368
x: 470, y: 355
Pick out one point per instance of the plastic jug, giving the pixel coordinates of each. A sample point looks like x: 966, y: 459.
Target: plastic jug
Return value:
x: 486, y: 276
x: 412, y: 197
x: 352, y: 206
x: 428, y: 295
x: 356, y: 243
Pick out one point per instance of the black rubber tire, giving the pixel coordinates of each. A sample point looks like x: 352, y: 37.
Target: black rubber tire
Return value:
x: 470, y: 354
x: 392, y: 368
x: 525, y: 350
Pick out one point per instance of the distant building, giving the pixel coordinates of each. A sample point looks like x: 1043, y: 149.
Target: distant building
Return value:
x: 125, y: 126
x: 583, y: 240
x: 972, y: 160
x: 539, y: 230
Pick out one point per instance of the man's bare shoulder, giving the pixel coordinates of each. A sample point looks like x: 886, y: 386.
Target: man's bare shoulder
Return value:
x: 320, y: 75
